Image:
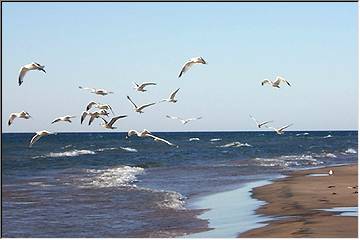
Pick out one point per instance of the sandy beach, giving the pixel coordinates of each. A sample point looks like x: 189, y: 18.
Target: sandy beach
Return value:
x: 298, y: 198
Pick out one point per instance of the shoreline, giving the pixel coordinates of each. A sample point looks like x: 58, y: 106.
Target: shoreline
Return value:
x: 299, y: 200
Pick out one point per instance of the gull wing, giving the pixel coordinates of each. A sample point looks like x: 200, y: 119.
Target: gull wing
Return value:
x: 92, y: 119
x: 281, y: 79
x: 172, y: 95
x: 254, y: 120
x: 114, y: 119
x: 265, y: 81
x: 22, y: 72
x: 56, y: 120
x: 132, y: 132
x: 34, y: 139
x: 191, y: 119
x: 83, y: 116
x: 131, y: 101
x: 146, y: 84
x: 157, y: 139
x: 110, y: 109
x: 144, y: 106
x: 280, y: 129
x: 177, y: 118
x: 263, y: 123
x: 12, y: 118
x: 186, y: 67
x: 90, y: 104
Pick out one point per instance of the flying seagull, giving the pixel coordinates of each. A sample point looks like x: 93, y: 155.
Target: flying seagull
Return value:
x: 92, y: 115
x: 97, y: 91
x: 140, y: 108
x: 171, y: 97
x: 110, y: 124
x: 38, y: 135
x: 143, y: 133
x: 184, y: 121
x: 192, y: 61
x: 276, y: 83
x: 280, y: 130
x: 32, y: 66
x: 157, y: 139
x: 22, y: 114
x: 64, y: 119
x: 259, y: 125
x: 140, y: 87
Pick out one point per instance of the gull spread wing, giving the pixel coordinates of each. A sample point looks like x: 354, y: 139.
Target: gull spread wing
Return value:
x: 34, y: 139
x: 172, y: 96
x: 157, y: 139
x: 144, y: 106
x: 22, y: 73
x: 83, y: 116
x: 56, y: 120
x: 12, y: 118
x: 186, y: 67
x: 131, y: 101
x: 265, y: 81
x: 114, y: 119
x: 90, y: 104
x: 280, y: 129
x: 146, y: 84
x: 177, y: 118
x: 263, y: 123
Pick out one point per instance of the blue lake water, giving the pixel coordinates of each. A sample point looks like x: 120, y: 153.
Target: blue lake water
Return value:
x: 104, y: 185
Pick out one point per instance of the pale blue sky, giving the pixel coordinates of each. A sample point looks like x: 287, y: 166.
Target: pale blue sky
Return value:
x: 110, y: 45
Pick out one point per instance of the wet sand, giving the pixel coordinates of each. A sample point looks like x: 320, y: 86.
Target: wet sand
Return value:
x: 298, y: 198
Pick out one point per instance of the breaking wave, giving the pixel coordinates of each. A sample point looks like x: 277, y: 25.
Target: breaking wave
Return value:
x: 129, y: 149
x: 302, y: 134
x: 72, y: 153
x: 194, y: 139
x: 351, y: 150
x: 236, y: 144
x: 288, y: 161
x: 124, y: 176
x: 215, y: 139
x: 328, y: 136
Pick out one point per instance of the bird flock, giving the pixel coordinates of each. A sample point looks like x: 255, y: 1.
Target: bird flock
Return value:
x: 95, y: 110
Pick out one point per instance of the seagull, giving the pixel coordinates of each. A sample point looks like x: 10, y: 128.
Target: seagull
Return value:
x: 171, y: 97
x: 38, y: 135
x: 280, y: 130
x: 104, y: 107
x: 276, y: 83
x: 65, y: 119
x: 141, y: 87
x: 143, y: 133
x: 192, y: 61
x: 139, y: 109
x: 109, y: 125
x: 92, y: 115
x: 147, y: 133
x: 32, y: 66
x: 259, y: 125
x: 22, y: 114
x: 90, y: 105
x: 331, y: 172
x: 98, y: 91
x: 184, y: 121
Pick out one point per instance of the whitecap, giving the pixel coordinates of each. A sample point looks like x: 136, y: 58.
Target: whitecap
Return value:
x: 72, y: 153
x: 105, y: 149
x: 215, y: 139
x: 302, y: 134
x: 236, y: 144
x: 122, y: 176
x: 129, y: 149
x: 351, y: 150
x: 194, y: 139
x: 328, y: 136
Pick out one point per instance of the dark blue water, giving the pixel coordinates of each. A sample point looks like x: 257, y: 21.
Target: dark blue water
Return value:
x: 104, y: 185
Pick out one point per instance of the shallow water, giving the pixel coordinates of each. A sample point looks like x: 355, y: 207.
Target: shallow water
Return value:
x: 104, y: 185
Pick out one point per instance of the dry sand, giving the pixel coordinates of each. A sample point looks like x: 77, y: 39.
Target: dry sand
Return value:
x: 297, y: 199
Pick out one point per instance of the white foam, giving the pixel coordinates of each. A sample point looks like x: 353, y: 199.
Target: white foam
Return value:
x: 129, y: 149
x: 236, y: 144
x: 215, y: 139
x: 72, y: 153
x: 328, y: 136
x: 302, y: 134
x: 105, y: 149
x: 288, y: 161
x: 172, y: 200
x: 194, y: 139
x: 351, y: 150
x: 113, y: 177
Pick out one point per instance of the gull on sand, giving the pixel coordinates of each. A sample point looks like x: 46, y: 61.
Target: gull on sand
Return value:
x: 32, y: 66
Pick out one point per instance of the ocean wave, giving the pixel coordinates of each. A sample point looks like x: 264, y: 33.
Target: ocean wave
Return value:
x: 325, y: 155
x: 328, y: 136
x: 171, y: 200
x: 194, y: 139
x: 215, y: 139
x: 302, y: 134
x: 236, y: 144
x: 124, y: 176
x: 129, y: 149
x: 105, y: 149
x: 288, y: 161
x: 72, y: 153
x: 351, y: 150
